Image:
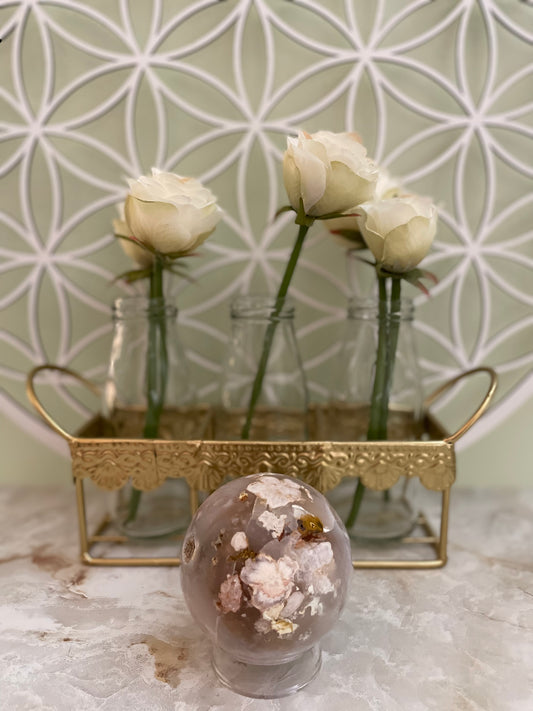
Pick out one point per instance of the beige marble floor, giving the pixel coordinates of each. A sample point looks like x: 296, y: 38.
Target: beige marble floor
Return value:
x: 79, y: 638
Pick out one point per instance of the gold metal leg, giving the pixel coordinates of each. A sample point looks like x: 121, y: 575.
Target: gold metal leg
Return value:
x: 82, y: 518
x: 438, y: 543
x: 87, y: 542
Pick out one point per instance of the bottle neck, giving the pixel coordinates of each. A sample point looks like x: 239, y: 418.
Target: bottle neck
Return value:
x: 258, y: 307
x: 135, y: 307
x: 368, y: 309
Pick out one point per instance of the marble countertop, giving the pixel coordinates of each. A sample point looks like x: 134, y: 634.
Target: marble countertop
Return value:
x: 84, y: 638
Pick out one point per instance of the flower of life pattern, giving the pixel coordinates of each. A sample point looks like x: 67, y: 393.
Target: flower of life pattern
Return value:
x: 94, y: 92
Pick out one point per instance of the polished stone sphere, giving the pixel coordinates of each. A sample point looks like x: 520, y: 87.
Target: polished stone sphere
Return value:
x: 265, y: 567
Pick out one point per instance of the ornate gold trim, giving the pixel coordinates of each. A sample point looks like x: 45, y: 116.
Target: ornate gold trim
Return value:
x: 205, y: 464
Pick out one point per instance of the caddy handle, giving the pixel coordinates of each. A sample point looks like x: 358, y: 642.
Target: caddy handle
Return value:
x: 482, y: 407
x: 34, y: 400
x: 37, y: 404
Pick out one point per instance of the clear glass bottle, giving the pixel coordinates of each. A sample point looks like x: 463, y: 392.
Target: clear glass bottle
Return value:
x: 281, y: 410
x: 147, y: 354
x: 390, y: 514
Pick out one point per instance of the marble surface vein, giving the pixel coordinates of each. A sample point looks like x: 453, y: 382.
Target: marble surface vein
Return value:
x: 107, y: 639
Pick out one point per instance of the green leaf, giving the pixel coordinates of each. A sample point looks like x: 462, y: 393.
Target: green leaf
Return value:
x: 415, y: 277
x: 425, y: 274
x: 134, y: 275
x: 285, y: 208
x: 332, y: 215
x: 181, y: 272
x: 412, y: 279
x: 179, y: 255
x: 368, y: 261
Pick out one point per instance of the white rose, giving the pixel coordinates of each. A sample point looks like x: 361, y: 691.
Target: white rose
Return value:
x: 346, y: 229
x: 170, y: 213
x: 137, y: 254
x: 330, y: 172
x: 388, y: 187
x: 399, y: 231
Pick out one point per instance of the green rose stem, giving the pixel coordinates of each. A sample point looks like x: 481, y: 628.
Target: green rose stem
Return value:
x: 392, y: 342
x: 156, y: 368
x: 388, y: 331
x: 271, y: 329
x: 394, y: 330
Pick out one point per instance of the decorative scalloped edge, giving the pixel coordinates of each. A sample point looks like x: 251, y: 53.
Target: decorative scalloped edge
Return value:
x: 206, y: 464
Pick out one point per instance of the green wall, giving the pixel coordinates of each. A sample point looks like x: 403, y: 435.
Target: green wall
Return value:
x: 95, y: 92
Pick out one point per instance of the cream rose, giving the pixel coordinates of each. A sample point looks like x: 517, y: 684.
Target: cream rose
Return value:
x: 170, y: 213
x: 399, y: 231
x: 137, y: 254
x: 346, y: 229
x: 388, y: 186
x: 330, y: 172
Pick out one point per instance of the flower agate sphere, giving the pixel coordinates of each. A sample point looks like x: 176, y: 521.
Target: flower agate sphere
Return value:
x: 266, y: 565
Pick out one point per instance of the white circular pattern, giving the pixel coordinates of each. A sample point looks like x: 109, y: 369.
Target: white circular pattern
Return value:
x: 100, y: 91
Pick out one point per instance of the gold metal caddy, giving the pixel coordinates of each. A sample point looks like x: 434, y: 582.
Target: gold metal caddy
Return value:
x: 102, y: 453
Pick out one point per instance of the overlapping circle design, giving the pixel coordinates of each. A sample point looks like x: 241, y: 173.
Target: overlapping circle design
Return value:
x: 91, y: 92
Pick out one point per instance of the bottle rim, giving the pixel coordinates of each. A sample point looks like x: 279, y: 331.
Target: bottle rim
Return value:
x: 368, y: 307
x: 261, y: 306
x: 130, y: 307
